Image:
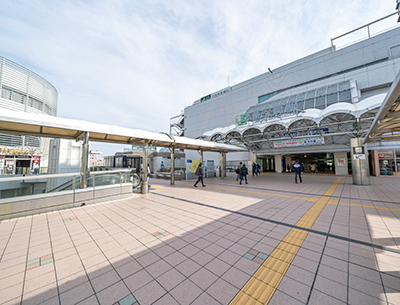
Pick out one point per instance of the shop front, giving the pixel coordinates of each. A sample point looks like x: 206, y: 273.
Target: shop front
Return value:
x: 18, y: 162
x: 386, y: 162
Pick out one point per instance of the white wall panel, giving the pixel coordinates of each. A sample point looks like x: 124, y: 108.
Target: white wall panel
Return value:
x: 14, y: 79
x: 221, y: 111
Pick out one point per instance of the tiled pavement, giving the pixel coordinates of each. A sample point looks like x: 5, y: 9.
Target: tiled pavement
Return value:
x: 185, y: 245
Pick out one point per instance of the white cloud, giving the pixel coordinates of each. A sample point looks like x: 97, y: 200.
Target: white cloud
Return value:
x: 138, y: 63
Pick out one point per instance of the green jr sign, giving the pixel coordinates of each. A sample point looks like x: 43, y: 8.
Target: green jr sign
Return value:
x: 242, y: 119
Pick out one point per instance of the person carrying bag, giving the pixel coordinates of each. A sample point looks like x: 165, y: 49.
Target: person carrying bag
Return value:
x: 199, y: 173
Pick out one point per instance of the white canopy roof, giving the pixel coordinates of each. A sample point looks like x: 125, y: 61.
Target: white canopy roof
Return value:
x: 316, y: 115
x: 386, y: 126
x: 23, y: 123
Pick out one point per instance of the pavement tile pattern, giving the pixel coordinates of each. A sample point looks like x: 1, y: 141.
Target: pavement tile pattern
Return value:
x: 185, y: 245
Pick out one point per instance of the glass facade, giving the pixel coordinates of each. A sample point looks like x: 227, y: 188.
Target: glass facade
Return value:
x: 320, y: 98
x: 388, y: 162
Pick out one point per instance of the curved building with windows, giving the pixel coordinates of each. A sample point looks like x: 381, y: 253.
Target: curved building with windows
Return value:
x: 308, y: 109
x: 24, y: 90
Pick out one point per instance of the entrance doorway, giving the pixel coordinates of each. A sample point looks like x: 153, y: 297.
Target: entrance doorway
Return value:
x: 325, y: 162
x: 267, y: 163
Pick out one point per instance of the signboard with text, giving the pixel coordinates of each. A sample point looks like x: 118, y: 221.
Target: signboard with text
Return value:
x: 195, y: 165
x: 299, y: 142
x: 188, y: 166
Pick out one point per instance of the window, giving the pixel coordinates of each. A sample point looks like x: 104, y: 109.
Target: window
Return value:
x: 310, y: 94
x: 32, y: 141
x: 309, y: 103
x: 319, y: 98
x: 276, y: 103
x: 320, y: 102
x: 300, y: 105
x: 345, y: 96
x: 301, y: 96
x: 18, y: 97
x: 13, y: 95
x: 34, y: 103
x: 321, y: 91
x: 332, y: 99
x: 6, y: 93
x: 10, y: 140
x: 47, y: 109
x: 344, y: 86
x: 332, y: 88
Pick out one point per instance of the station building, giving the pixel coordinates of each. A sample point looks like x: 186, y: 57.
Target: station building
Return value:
x: 24, y: 90
x: 308, y: 110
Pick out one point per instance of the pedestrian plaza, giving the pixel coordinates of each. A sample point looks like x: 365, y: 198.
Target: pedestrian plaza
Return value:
x: 323, y: 241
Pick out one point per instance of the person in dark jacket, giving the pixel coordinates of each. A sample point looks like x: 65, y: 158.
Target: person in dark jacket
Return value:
x: 243, y: 173
x: 254, y: 169
x: 238, y: 171
x: 199, y: 173
x: 298, y: 170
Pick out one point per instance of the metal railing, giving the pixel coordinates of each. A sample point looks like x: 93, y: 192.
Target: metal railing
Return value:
x: 367, y: 27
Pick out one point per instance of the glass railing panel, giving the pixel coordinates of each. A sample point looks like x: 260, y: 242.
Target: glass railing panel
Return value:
x: 25, y: 185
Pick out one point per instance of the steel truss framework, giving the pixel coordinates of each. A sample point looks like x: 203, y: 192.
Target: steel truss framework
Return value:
x: 337, y: 129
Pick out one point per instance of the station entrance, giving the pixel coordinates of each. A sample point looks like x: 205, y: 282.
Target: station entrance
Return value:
x: 324, y: 162
x: 267, y: 163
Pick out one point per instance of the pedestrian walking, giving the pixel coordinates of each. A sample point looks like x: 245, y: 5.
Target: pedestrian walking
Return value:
x: 36, y: 167
x: 298, y: 170
x: 254, y: 168
x: 258, y: 168
x: 313, y: 168
x: 238, y: 171
x: 243, y: 173
x: 199, y: 173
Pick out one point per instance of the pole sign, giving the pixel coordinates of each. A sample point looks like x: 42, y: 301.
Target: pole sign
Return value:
x: 188, y: 166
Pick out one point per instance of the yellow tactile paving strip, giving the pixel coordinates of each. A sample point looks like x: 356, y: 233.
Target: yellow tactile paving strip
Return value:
x: 362, y: 205
x: 261, y: 287
x: 312, y: 199
x: 157, y: 187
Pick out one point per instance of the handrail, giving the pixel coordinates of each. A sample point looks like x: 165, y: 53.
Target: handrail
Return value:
x: 361, y: 27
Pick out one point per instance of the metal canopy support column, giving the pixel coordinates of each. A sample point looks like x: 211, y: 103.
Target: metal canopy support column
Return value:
x: 253, y: 157
x: 84, y: 160
x: 359, y: 161
x: 201, y: 157
x: 278, y: 163
x: 145, y: 183
x: 172, y: 166
x: 222, y: 165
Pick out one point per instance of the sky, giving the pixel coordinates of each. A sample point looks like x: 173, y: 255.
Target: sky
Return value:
x: 136, y: 63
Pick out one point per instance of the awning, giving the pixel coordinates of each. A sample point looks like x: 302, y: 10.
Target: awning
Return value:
x: 386, y: 125
x: 23, y: 123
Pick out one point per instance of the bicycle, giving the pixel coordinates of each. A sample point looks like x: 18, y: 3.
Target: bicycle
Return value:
x: 135, y: 179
